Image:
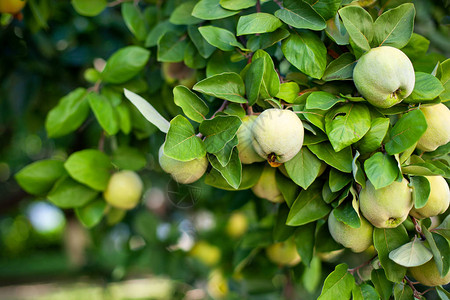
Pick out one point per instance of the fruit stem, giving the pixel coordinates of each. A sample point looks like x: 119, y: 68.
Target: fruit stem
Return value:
x: 352, y: 271
x: 221, y: 108
x: 418, y: 228
x: 417, y: 294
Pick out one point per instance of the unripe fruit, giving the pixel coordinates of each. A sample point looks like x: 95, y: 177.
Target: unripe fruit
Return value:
x: 124, y: 190
x: 178, y: 73
x: 266, y: 187
x: 438, y: 130
x: 277, y: 135
x: 384, y: 76
x: 357, y: 239
x: 386, y: 207
x: 206, y: 253
x: 428, y: 274
x: 217, y: 285
x: 184, y: 172
x: 11, y: 6
x: 247, y: 153
x: 284, y: 253
x: 237, y: 225
x: 438, y: 201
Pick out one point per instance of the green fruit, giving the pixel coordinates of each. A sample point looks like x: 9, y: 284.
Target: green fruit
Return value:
x: 124, y: 190
x: 384, y: 76
x: 178, y: 73
x: 284, y: 253
x: 438, y: 201
x: 438, y: 130
x: 184, y: 172
x: 277, y: 135
x: 428, y: 274
x: 386, y: 207
x: 237, y: 225
x: 357, y: 239
x: 266, y: 187
x: 247, y: 153
x: 208, y: 254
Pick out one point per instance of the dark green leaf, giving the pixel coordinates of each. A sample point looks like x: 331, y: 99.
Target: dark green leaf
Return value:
x: 232, y: 173
x: 427, y: 87
x: 157, y: 32
x: 402, y: 291
x: 381, y: 169
x: 341, y: 160
x: 326, y: 8
x: 322, y: 100
x: 381, y: 283
x: 193, y: 107
x: 250, y: 175
x: 181, y: 15
x: 303, y: 168
x: 338, y: 285
x: 312, y: 275
x: 305, y: 239
x: 340, y: 68
x: 281, y: 231
x: 68, y: 193
x: 336, y: 31
x: 219, y: 131
x: 300, y: 15
x: 270, y: 85
x: 444, y: 228
x: 265, y: 40
x: 372, y: 140
x: 211, y: 10
x: 359, y: 25
x: 287, y: 187
x: 337, y: 180
x: 439, y: 247
x: 171, y: 47
x: 38, y: 178
x: 346, y: 214
x: 254, y: 80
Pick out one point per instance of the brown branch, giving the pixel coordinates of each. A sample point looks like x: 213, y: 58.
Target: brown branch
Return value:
x: 418, y: 228
x: 416, y: 293
x: 221, y: 108
x: 258, y: 6
x: 118, y: 2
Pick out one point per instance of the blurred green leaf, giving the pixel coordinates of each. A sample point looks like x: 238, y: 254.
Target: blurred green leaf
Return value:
x: 124, y: 64
x: 38, y: 178
x: 89, y: 8
x: 67, y: 193
x: 91, y: 214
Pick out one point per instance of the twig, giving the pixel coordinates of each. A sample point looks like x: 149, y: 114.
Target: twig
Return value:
x: 101, y: 142
x: 258, y: 6
x: 118, y: 2
x: 352, y: 271
x: 417, y: 227
x: 416, y: 293
x: 221, y: 108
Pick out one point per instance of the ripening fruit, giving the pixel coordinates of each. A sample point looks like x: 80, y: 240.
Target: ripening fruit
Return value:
x: 237, y: 225
x: 11, y: 6
x: 184, y: 172
x: 284, y: 253
x: 217, y: 285
x: 357, y: 239
x: 384, y: 76
x: 386, y: 207
x: 438, y: 130
x: 438, y: 201
x: 247, y: 153
x: 124, y: 190
x: 266, y: 187
x: 277, y: 135
x: 178, y: 73
x: 206, y: 253
x: 428, y: 274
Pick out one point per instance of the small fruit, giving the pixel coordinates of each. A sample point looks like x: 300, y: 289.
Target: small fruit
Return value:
x: 284, y: 253
x: 184, y: 172
x: 11, y: 6
x: 438, y: 201
x: 237, y: 225
x: 428, y: 274
x: 206, y: 253
x: 266, y: 187
x: 124, y: 190
x: 178, y: 73
x: 247, y: 153
x: 438, y: 130
x: 357, y: 239
x: 217, y: 285
x: 277, y: 135
x: 386, y: 207
x: 384, y: 76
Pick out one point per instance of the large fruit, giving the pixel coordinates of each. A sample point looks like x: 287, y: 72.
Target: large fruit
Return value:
x: 277, y: 135
x: 438, y: 130
x: 283, y: 253
x: 357, y: 239
x: 384, y: 76
x: 428, y: 274
x: 266, y: 187
x: 247, y: 153
x: 124, y: 190
x: 11, y: 6
x: 184, y: 172
x: 438, y: 201
x: 386, y: 207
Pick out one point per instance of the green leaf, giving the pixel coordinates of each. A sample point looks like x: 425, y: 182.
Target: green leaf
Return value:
x: 357, y: 171
x: 305, y: 239
x: 181, y: 15
x: 346, y: 213
x: 402, y: 291
x: 250, y: 175
x: 171, y: 47
x: 68, y: 193
x: 406, y: 132
x: 427, y: 87
x: 312, y: 275
x: 359, y: 25
x: 221, y: 38
x: 281, y: 231
x: 221, y: 62
x: 385, y: 240
x: 417, y: 46
x: 265, y: 40
x: 372, y: 140
x: 232, y: 173
x: 444, y: 228
x: 411, y: 254
x: 192, y: 57
x: 337, y: 180
x: 148, y: 111
x: 134, y: 20
x: 157, y: 32
x: 181, y: 142
x: 337, y: 31
x: 237, y: 4
x: 341, y: 68
x: 128, y: 158
x: 381, y: 169
x: 303, y: 168
x: 68, y: 115
x: 439, y: 247
x: 219, y: 131
x: 124, y: 64
x: 300, y: 14
x: 394, y: 27
x: 89, y: 8
x: 443, y: 294
x: 193, y: 107
x: 381, y: 283
x: 224, y: 155
x: 270, y: 85
x: 421, y: 190
x: 288, y: 91
x: 322, y: 100
x: 341, y: 160
x: 326, y: 8
x: 38, y: 178
x: 228, y: 86
x: 306, y: 52
x: 254, y: 80
x: 92, y: 213
x: 308, y: 207
x: 338, y: 285
x: 257, y: 23
x: 204, y: 48
x: 90, y: 167
x: 104, y: 113
x: 315, y: 116
x: 211, y: 10
x: 287, y: 187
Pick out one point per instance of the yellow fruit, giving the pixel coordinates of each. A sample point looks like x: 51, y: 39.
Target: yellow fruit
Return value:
x: 266, y: 187
x: 428, y: 274
x: 217, y: 285
x: 247, y: 153
x: 387, y: 207
x: 124, y: 190
x: 237, y: 225
x: 438, y: 201
x: 284, y: 253
x: 438, y: 130
x: 184, y: 172
x: 206, y: 253
x: 11, y: 6
x: 277, y: 135
x: 357, y: 239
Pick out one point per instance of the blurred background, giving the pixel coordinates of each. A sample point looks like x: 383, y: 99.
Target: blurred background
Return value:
x: 179, y: 243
